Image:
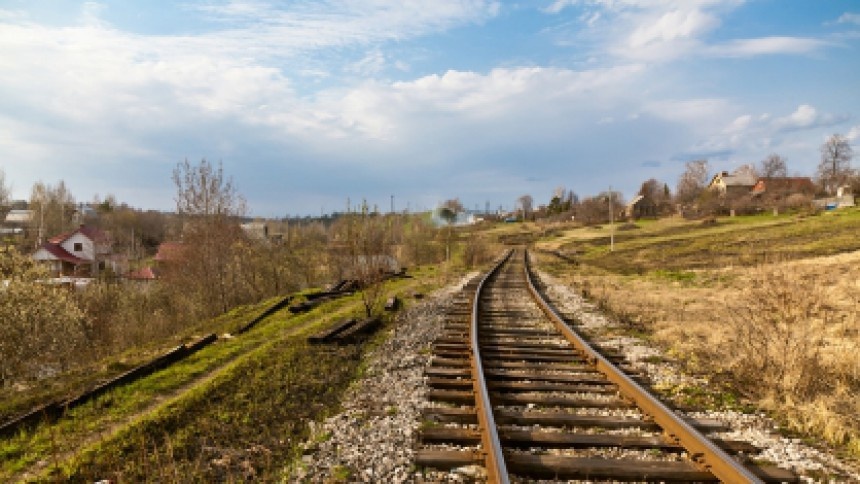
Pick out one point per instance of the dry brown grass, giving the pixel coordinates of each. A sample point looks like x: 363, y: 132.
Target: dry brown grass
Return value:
x: 785, y: 334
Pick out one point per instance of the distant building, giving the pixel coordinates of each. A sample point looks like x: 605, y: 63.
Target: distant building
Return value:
x: 784, y: 186
x: 844, y: 198
x: 18, y: 218
x: 142, y: 275
x: 640, y: 207
x: 728, y: 185
x: 169, y: 252
x: 84, y: 252
x: 256, y: 230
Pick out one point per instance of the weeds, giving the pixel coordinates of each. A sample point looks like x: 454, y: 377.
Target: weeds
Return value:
x: 767, y: 307
x: 777, y: 333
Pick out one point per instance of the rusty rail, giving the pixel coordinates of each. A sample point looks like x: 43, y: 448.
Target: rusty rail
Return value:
x: 700, y: 449
x: 497, y: 471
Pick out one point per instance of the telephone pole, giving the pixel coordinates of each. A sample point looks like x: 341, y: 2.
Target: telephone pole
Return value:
x: 611, y: 223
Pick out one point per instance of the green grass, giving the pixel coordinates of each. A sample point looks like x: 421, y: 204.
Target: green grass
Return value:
x: 259, y: 391
x: 14, y: 403
x: 676, y: 249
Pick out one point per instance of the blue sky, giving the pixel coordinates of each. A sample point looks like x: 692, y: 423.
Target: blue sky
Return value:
x: 310, y: 102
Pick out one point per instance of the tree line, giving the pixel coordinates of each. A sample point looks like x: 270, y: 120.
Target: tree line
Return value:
x: 691, y: 194
x: 215, y: 267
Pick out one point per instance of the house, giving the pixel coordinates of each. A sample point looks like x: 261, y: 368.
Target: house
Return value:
x: 732, y: 185
x: 783, y: 186
x: 19, y: 218
x: 142, y: 276
x: 256, y: 230
x: 640, y: 207
x: 17, y: 222
x: 169, y: 252
x: 844, y: 198
x: 84, y: 252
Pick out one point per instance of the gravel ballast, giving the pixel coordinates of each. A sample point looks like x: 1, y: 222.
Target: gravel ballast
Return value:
x: 373, y: 438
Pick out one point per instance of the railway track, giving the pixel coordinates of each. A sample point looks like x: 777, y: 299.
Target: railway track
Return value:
x: 518, y: 392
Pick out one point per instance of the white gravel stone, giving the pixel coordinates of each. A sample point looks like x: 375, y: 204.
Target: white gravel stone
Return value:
x: 372, y: 439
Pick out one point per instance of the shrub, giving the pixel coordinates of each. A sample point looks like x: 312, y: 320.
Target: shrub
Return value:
x: 777, y: 332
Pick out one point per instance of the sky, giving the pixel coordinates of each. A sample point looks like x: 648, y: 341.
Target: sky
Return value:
x: 313, y: 104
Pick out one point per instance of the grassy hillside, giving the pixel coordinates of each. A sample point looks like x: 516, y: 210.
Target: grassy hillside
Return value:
x: 236, y: 410
x: 766, y: 306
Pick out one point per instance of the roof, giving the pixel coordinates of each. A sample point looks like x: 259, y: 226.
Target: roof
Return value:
x: 635, y: 200
x: 142, y: 274
x: 91, y: 233
x: 19, y: 216
x: 742, y: 180
x: 61, y: 254
x: 169, y: 251
x: 785, y: 184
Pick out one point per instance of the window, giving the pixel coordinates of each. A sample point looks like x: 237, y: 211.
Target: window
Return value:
x: 79, y: 247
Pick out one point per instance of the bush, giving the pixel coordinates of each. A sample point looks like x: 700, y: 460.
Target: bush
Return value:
x: 43, y: 330
x: 778, y: 331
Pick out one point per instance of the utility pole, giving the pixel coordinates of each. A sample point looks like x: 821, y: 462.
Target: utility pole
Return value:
x: 611, y: 223
x: 392, y: 204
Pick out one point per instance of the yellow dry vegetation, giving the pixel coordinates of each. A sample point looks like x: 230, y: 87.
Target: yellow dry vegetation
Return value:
x: 784, y: 334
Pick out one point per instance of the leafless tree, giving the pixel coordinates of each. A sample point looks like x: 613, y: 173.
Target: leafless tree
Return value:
x: 773, y: 166
x: 658, y: 194
x: 749, y: 170
x: 692, y: 181
x: 525, y: 203
x: 5, y: 191
x: 834, y: 170
x: 366, y: 252
x: 54, y: 207
x: 209, y: 206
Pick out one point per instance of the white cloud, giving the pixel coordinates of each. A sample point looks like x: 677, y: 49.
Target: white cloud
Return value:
x: 853, y: 133
x: 370, y: 64
x: 671, y: 26
x: 558, y: 5
x: 590, y: 18
x: 667, y: 30
x: 807, y: 117
x: 767, y: 45
x: 803, y: 117
x: 689, y: 110
x: 756, y: 135
x: 849, y: 18
x: 739, y: 125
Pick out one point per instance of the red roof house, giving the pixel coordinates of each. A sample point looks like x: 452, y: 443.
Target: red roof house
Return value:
x: 78, y: 253
x: 784, y: 186
x: 142, y: 274
x: 169, y: 252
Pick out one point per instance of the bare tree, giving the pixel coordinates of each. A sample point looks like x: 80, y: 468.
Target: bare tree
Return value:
x: 748, y: 170
x: 209, y: 205
x: 366, y: 254
x: 54, y: 207
x: 692, y: 182
x: 657, y: 194
x: 526, y: 204
x: 834, y: 170
x: 773, y: 166
x: 5, y: 191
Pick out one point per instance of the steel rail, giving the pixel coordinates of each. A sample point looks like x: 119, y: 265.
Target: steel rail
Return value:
x: 700, y: 449
x: 497, y: 471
